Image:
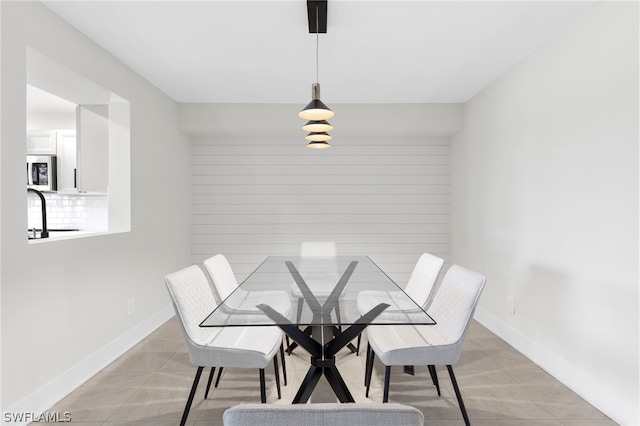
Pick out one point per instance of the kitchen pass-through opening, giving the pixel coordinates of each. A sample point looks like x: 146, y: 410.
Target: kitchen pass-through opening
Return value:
x: 78, y: 153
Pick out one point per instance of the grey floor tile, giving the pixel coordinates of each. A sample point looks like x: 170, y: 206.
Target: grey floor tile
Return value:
x: 585, y: 422
x: 149, y: 385
x: 168, y: 331
x: 517, y: 422
x: 148, y: 355
x: 144, y: 423
x: 564, y: 403
x: 74, y: 423
x: 94, y: 404
x: 530, y: 374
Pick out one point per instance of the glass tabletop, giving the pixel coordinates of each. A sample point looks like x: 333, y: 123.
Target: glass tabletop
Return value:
x: 317, y: 290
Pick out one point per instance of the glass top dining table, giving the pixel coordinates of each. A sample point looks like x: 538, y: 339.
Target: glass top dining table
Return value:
x: 322, y: 303
x: 317, y: 290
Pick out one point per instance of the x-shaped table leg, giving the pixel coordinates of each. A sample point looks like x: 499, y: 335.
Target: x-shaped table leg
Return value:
x: 323, y: 356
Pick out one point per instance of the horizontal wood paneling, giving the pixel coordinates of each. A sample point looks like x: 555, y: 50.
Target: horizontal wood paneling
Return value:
x: 385, y: 197
x: 284, y: 152
x: 314, y: 218
x: 343, y: 240
x: 204, y: 213
x: 309, y: 199
x: 330, y: 190
x: 297, y: 170
x: 326, y: 229
x: 290, y: 145
x: 310, y: 179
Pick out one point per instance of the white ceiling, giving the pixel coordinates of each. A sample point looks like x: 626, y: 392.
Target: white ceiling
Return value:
x: 373, y: 52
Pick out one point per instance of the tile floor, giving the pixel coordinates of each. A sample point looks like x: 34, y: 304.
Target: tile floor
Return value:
x: 149, y: 385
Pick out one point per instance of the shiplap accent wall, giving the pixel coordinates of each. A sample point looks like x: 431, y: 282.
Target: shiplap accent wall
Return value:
x: 385, y: 197
x: 382, y: 189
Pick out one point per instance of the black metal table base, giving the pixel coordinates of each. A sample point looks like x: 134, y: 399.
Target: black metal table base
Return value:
x: 317, y: 369
x: 307, y: 330
x: 322, y: 338
x: 323, y: 355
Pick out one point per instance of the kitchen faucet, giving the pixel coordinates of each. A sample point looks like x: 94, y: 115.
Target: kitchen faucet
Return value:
x: 43, y: 203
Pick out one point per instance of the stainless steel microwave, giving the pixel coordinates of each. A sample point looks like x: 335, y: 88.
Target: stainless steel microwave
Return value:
x: 41, y: 172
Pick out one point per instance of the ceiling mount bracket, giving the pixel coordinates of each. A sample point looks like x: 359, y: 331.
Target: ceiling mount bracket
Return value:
x: 321, y: 7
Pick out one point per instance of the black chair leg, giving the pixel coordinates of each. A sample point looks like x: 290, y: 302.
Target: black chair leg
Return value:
x: 284, y: 365
x: 218, y: 378
x: 387, y: 377
x: 358, y: 345
x: 276, y: 369
x: 434, y: 377
x: 458, y: 395
x: 263, y: 390
x: 206, y: 393
x: 370, y: 369
x: 191, y: 395
x: 366, y: 365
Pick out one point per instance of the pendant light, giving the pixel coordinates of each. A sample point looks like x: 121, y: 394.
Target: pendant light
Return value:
x: 318, y: 136
x: 317, y: 126
x: 316, y: 111
x: 318, y: 145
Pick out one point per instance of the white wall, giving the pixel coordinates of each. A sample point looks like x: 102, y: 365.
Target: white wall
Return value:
x: 64, y: 303
x: 55, y: 121
x: 382, y: 188
x: 545, y: 203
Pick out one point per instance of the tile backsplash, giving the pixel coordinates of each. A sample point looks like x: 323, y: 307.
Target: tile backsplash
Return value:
x: 69, y: 211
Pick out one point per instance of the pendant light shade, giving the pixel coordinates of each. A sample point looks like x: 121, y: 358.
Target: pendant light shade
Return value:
x: 317, y: 126
x: 318, y: 137
x: 318, y: 145
x: 316, y: 110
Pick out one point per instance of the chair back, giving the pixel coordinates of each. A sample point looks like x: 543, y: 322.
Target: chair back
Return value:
x: 330, y: 414
x: 423, y: 278
x: 193, y: 301
x: 318, y: 248
x: 318, y: 261
x: 222, y: 275
x: 455, y: 302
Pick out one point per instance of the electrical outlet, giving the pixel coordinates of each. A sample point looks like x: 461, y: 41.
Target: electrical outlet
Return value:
x: 511, y: 305
x: 131, y: 306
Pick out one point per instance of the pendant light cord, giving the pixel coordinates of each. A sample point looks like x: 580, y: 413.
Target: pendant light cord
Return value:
x: 317, y: 43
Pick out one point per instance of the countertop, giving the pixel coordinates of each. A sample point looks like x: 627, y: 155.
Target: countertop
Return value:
x: 65, y: 235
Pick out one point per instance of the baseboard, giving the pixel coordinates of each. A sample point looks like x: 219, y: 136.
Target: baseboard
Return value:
x: 51, y: 393
x: 619, y: 408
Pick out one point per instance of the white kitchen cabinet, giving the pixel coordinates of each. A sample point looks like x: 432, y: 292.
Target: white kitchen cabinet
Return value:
x: 41, y: 142
x: 93, y: 148
x: 67, y: 160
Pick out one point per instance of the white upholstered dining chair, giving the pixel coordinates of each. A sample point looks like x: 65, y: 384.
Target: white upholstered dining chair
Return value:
x: 453, y: 307
x: 319, y: 270
x: 235, y: 347
x: 423, y: 278
x: 419, y: 287
x: 325, y: 414
x: 224, y: 280
x: 225, y: 283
